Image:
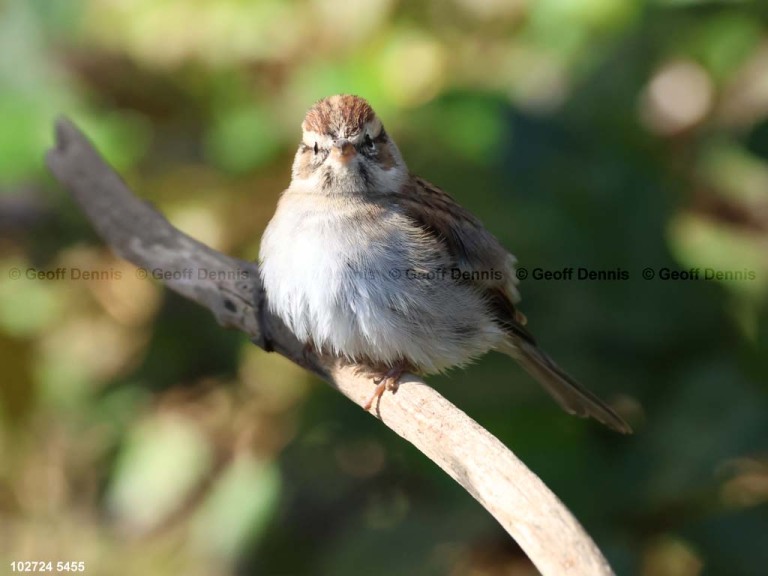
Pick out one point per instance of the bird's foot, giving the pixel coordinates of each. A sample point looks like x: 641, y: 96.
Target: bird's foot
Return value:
x: 389, y: 380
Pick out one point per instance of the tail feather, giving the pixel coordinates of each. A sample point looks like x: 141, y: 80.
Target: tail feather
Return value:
x: 572, y: 396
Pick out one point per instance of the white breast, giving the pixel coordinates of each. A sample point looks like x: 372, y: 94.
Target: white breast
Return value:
x: 346, y: 284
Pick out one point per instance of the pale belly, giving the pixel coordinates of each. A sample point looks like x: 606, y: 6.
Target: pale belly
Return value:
x: 378, y: 291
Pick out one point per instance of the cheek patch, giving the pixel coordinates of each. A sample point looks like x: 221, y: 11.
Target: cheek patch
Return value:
x: 385, y: 158
x: 304, y: 164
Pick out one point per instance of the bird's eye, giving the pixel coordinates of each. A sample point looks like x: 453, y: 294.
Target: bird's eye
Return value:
x: 369, y: 143
x: 315, y: 148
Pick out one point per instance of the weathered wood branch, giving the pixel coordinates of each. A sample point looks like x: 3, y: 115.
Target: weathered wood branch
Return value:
x: 523, y: 505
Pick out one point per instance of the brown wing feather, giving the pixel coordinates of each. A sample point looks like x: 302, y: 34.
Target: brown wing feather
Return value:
x: 472, y: 248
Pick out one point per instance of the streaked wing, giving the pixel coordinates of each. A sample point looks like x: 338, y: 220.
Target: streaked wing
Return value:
x: 472, y: 248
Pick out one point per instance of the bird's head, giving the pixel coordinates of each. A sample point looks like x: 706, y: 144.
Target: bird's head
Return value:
x: 345, y: 150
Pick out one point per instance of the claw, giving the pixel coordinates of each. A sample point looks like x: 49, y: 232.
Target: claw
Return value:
x: 389, y: 380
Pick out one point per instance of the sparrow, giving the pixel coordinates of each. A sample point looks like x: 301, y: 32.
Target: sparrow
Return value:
x: 366, y: 262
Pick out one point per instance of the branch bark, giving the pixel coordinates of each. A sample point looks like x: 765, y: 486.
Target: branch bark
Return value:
x: 542, y: 526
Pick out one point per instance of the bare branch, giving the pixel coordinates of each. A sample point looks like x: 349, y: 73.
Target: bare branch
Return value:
x: 514, y: 495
